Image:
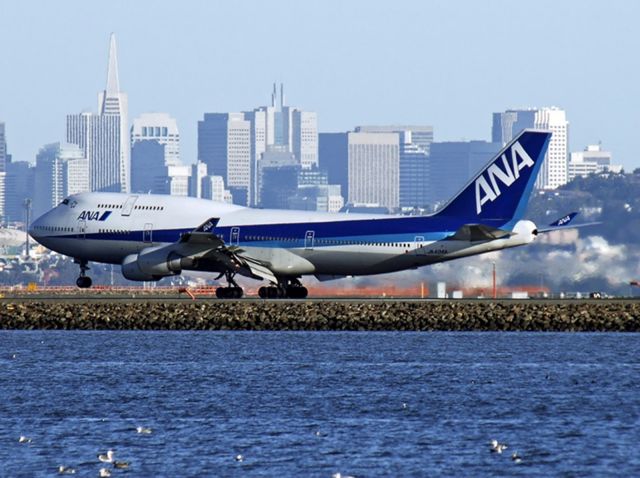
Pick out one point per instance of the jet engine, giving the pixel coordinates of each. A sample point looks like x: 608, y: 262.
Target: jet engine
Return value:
x: 153, y: 264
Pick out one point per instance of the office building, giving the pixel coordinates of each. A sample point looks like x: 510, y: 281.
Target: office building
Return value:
x: 333, y: 157
x: 19, y: 187
x: 554, y: 170
x: 224, y: 145
x: 304, y: 138
x: 149, y: 173
x: 198, y: 173
x: 213, y: 188
x: 3, y: 175
x: 415, y: 143
x: 374, y: 169
x: 278, y: 171
x: 420, y: 136
x: 3, y: 148
x: 414, y: 173
x: 159, y: 127
x: 452, y: 164
x: 593, y: 160
x: 61, y: 169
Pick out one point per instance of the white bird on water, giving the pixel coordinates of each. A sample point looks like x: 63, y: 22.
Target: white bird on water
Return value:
x: 24, y: 439
x: 239, y: 458
x: 104, y: 473
x: 144, y: 430
x: 108, y: 458
x: 515, y: 457
x: 66, y: 470
x: 497, y: 447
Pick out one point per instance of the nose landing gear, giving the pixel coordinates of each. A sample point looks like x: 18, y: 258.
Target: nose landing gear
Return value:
x: 84, y: 281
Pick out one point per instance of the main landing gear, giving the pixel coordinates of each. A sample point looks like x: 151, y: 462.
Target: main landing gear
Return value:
x: 232, y: 291
x: 84, y: 281
x: 289, y: 289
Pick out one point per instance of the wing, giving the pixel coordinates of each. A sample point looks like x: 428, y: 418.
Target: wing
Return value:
x: 207, y: 251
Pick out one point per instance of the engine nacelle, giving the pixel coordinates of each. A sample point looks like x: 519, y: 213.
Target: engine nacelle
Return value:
x: 152, y: 264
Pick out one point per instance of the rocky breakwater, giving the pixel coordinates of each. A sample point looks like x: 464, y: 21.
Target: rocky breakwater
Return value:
x: 616, y: 316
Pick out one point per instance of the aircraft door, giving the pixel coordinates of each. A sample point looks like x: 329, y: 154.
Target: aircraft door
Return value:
x: 419, y: 240
x: 82, y: 229
x: 147, y: 233
x: 309, y: 239
x: 128, y: 205
x: 234, y: 236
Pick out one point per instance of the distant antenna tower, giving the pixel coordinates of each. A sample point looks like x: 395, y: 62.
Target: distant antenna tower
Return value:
x: 27, y: 207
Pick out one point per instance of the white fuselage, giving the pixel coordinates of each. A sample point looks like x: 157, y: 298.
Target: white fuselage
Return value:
x: 108, y: 227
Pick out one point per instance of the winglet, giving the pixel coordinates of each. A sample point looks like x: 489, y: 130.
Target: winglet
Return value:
x: 208, y: 225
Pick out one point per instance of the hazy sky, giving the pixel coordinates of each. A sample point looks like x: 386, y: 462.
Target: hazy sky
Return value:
x: 446, y: 63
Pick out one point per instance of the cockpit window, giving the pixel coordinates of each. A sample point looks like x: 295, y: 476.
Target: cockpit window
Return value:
x: 65, y: 202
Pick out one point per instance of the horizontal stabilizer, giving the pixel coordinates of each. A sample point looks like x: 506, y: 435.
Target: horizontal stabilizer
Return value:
x: 478, y: 232
x: 565, y: 223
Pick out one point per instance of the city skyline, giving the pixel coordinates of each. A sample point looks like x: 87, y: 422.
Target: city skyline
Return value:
x: 346, y: 79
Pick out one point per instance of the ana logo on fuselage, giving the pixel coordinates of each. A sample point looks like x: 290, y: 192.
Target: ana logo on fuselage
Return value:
x: 93, y: 216
x: 487, y: 187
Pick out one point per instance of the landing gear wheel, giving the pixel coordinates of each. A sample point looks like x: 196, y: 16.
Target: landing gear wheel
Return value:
x: 229, y: 292
x: 297, y: 292
x: 292, y: 291
x: 84, y: 282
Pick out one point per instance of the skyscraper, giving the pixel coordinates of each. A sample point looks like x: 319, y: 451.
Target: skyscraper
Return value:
x: 374, y: 169
x: 224, y: 145
x: 158, y: 127
x: 3, y: 169
x: 3, y: 148
x: 19, y: 187
x: 149, y: 173
x: 508, y: 124
x: 333, y: 156
x: 415, y: 144
x: 104, y: 137
x: 61, y: 169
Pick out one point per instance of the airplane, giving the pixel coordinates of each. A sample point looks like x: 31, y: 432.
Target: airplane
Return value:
x: 155, y: 236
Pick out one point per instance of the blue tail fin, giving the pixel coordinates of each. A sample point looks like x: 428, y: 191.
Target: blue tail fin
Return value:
x: 501, y: 189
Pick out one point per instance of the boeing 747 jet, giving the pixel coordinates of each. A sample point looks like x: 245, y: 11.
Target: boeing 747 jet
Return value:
x: 155, y: 236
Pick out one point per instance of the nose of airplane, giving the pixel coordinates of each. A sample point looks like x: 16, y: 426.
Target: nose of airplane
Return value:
x: 34, y: 227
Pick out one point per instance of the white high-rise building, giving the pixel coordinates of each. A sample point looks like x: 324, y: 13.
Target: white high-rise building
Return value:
x: 162, y: 128
x: 374, y: 169
x: 304, y: 137
x: 113, y: 102
x: 554, y: 171
x: 104, y: 137
x: 224, y: 144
